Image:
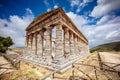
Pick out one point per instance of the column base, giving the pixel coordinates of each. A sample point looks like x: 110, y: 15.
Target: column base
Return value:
x: 32, y: 51
x: 39, y: 53
x: 59, y: 62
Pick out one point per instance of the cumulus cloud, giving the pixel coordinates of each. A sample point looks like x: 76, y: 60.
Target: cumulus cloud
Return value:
x: 79, y: 4
x: 74, y: 2
x: 107, y: 29
x: 105, y: 19
x: 28, y: 11
x: 55, y: 6
x: 87, y: 1
x: 48, y: 9
x: 104, y: 7
x: 46, y: 3
x: 103, y: 33
x: 77, y: 19
x: 113, y: 34
x: 15, y: 27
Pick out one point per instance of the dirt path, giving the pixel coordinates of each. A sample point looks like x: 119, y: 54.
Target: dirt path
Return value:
x: 112, y: 58
x: 5, y: 66
x: 30, y: 71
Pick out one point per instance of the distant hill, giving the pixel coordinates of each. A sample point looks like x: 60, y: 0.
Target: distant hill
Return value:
x: 113, y: 46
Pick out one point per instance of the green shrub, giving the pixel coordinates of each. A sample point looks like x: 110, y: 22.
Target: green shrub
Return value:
x: 5, y: 43
x: 92, y: 50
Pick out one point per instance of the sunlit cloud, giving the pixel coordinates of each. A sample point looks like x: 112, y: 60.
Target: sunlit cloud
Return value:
x: 15, y: 27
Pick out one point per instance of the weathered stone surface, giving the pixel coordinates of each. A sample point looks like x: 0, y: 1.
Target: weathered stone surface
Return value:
x: 39, y: 43
x: 72, y: 44
x: 59, y: 44
x: 69, y: 43
x: 34, y: 44
x: 29, y: 44
x: 66, y: 42
x: 48, y: 42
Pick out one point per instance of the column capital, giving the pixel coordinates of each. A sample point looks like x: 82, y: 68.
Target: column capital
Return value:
x: 59, y: 23
x: 30, y: 36
x: 66, y: 29
x: 35, y: 34
x: 49, y: 29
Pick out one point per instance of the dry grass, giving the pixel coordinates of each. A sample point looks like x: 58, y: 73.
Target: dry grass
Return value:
x: 33, y: 72
x: 17, y: 50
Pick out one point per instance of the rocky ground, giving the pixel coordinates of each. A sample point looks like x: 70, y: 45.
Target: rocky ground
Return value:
x: 32, y: 72
x: 5, y: 66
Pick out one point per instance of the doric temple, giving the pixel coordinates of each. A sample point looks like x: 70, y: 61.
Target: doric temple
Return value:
x: 53, y: 41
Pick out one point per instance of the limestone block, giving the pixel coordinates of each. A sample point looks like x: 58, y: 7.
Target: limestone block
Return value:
x: 59, y: 42
x: 71, y: 44
x: 34, y: 44
x: 40, y: 43
x: 48, y: 50
x: 66, y: 42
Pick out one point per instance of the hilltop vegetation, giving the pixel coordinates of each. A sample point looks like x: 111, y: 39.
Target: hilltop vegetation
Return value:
x: 114, y: 46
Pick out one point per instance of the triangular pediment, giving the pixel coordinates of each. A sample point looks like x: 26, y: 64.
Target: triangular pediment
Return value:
x: 44, y: 15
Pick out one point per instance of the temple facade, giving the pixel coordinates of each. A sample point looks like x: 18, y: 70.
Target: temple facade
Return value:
x: 53, y: 40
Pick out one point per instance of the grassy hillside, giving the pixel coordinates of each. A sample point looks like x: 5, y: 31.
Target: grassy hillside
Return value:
x: 114, y: 46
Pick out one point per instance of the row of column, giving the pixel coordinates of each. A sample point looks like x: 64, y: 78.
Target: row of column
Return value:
x: 71, y: 44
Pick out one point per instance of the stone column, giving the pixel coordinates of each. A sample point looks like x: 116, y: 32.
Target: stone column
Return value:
x: 79, y: 47
x: 26, y: 42
x: 59, y: 44
x: 71, y: 43
x: 40, y: 43
x: 34, y: 43
x: 82, y: 45
x: 83, y: 48
x: 48, y: 49
x: 29, y: 43
x: 87, y: 47
x: 75, y: 44
x: 66, y: 42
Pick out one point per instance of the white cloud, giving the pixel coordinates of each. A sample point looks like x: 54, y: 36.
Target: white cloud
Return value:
x: 103, y: 33
x: 104, y: 7
x: 79, y: 4
x: 29, y: 11
x: 105, y: 19
x: 74, y: 2
x: 113, y: 34
x: 78, y: 10
x: 77, y: 19
x: 46, y: 3
x: 106, y: 30
x: 87, y: 1
x: 15, y: 27
x: 55, y: 6
x: 48, y: 9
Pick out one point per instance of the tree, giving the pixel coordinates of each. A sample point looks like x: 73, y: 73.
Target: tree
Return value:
x: 5, y: 43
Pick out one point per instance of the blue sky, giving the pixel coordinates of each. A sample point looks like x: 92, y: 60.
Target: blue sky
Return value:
x: 98, y: 20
